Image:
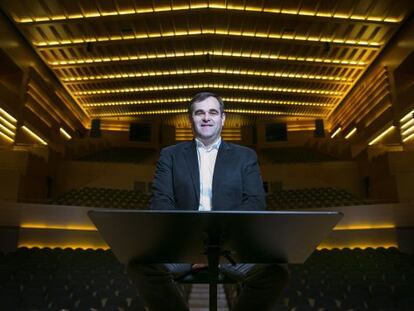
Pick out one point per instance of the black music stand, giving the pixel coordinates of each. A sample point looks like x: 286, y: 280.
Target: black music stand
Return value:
x: 212, y: 237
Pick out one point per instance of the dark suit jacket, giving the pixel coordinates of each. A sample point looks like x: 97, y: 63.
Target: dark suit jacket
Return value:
x: 237, y: 184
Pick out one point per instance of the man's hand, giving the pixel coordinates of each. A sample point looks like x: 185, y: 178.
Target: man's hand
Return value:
x: 197, y: 266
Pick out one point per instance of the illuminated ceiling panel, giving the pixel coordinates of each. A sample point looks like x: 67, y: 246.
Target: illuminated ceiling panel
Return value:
x: 267, y: 59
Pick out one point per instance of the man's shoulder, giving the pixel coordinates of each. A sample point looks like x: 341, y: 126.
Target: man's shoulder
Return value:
x: 178, y: 147
x: 239, y: 148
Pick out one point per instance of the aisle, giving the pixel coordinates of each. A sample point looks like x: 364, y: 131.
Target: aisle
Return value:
x: 199, y: 298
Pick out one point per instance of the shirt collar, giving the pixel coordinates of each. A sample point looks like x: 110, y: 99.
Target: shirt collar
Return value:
x: 215, y: 145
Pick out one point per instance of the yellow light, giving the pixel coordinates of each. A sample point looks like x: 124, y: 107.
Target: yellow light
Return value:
x: 6, y: 130
x: 408, y: 116
x: 6, y: 123
x: 392, y: 20
x: 64, y: 245
x: 35, y: 136
x: 362, y: 245
x: 170, y: 111
x: 57, y: 227
x: 64, y: 133
x: 267, y: 112
x: 352, y: 132
x: 200, y: 6
x: 137, y: 113
x: 408, y: 137
x: 124, y: 75
x: 6, y: 137
x: 336, y: 132
x: 41, y: 19
x: 407, y: 124
x: 409, y: 130
x: 380, y: 136
x: 208, y: 85
x: 364, y: 227
x: 138, y: 102
x: 7, y: 116
x: 204, y: 53
x: 226, y: 99
x: 225, y: 32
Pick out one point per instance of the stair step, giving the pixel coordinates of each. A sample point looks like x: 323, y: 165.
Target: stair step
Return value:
x: 199, y: 298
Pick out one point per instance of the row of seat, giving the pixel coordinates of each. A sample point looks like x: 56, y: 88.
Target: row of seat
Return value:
x: 55, y: 279
x: 279, y: 200
x: 103, y: 197
x: 370, y: 279
x: 123, y: 155
x: 292, y: 155
x: 268, y: 155
x: 65, y: 279
x: 311, y: 197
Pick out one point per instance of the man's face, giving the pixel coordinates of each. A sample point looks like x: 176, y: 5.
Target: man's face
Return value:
x: 207, y: 120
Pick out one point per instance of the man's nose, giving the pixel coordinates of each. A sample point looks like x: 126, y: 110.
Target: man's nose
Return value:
x: 206, y: 117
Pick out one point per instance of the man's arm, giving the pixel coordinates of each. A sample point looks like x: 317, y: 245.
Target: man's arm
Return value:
x: 162, y: 186
x: 254, y: 197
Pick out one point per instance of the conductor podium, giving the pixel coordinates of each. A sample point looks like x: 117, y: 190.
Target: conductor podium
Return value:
x: 213, y: 237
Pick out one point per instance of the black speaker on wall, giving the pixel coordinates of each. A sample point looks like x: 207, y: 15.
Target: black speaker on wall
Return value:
x: 319, y: 128
x: 95, y: 128
x: 276, y: 132
x: 140, y: 132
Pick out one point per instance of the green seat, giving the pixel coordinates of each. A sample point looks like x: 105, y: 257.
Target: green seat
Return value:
x: 202, y: 277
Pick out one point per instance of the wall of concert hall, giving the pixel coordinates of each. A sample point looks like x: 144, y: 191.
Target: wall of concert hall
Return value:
x: 32, y: 171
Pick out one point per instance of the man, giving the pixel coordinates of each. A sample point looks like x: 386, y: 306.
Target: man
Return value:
x: 208, y: 174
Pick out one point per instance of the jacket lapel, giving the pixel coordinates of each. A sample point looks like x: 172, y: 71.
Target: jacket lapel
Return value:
x: 191, y: 159
x: 223, y: 156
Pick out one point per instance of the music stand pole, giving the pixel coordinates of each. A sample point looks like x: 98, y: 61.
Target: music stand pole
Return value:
x: 213, y: 258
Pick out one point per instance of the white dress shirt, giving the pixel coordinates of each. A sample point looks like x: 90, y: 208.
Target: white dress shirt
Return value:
x: 206, y: 161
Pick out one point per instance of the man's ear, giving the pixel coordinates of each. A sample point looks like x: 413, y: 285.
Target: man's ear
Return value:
x: 223, y: 118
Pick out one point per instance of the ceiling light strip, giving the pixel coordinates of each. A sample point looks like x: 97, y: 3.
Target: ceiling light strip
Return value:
x: 134, y: 113
x: 380, y: 136
x: 6, y: 130
x: 9, y: 139
x: 227, y: 8
x: 7, y: 124
x: 279, y: 113
x: 408, y: 116
x: 9, y: 117
x: 35, y: 136
x: 336, y: 132
x: 251, y: 55
x: 277, y: 74
x: 64, y: 133
x: 408, y: 131
x: 226, y: 99
x: 407, y: 124
x: 352, y: 132
x: 207, y: 85
x: 196, y: 32
x: 170, y: 111
x: 408, y: 137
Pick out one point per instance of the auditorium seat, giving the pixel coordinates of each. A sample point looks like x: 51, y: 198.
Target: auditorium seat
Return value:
x: 52, y: 279
x: 123, y: 155
x: 293, y: 155
x: 103, y: 197
x: 311, y: 198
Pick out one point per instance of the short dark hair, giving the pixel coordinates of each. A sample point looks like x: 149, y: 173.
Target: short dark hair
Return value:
x: 202, y: 96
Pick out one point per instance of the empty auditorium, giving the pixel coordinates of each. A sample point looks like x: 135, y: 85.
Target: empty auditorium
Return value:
x: 195, y: 155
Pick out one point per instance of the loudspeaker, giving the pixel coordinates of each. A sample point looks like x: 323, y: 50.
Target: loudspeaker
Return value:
x: 319, y: 128
x: 140, y: 132
x: 95, y: 128
x: 276, y: 132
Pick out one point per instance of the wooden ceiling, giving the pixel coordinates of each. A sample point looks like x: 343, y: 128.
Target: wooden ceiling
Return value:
x: 129, y: 59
